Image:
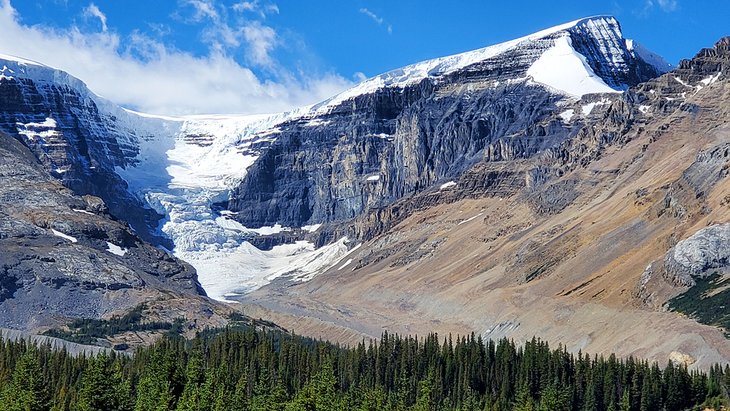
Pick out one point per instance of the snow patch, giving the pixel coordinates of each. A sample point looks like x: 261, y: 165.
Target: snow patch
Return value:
x: 564, y: 69
x: 317, y: 122
x: 711, y: 79
x: 373, y: 177
x: 47, y: 123
x: 644, y: 109
x: 64, y: 236
x: 446, y: 185
x: 349, y: 260
x: 275, y: 229
x: 470, y: 219
x: 82, y: 211
x: 38, y: 132
x: 588, y: 108
x: 115, y: 249
x: 4, y: 70
x: 680, y: 81
x: 567, y: 115
x: 312, y: 228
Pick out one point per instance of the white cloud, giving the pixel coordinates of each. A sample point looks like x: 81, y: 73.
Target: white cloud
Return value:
x: 377, y: 19
x: 223, y: 33
x: 261, y: 39
x: 203, y: 9
x: 665, y: 5
x: 668, y: 5
x: 245, y: 6
x: 372, y: 15
x: 93, y: 11
x: 141, y: 73
x: 256, y: 7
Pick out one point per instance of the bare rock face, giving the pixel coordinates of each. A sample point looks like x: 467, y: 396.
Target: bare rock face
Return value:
x: 375, y: 149
x: 64, y: 257
x: 75, y: 141
x: 701, y: 254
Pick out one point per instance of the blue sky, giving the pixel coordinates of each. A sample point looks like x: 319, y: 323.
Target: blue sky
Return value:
x: 259, y: 55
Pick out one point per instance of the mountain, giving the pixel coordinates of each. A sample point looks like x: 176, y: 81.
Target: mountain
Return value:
x: 615, y: 239
x: 64, y: 256
x: 514, y: 190
x: 203, y: 187
x: 404, y: 131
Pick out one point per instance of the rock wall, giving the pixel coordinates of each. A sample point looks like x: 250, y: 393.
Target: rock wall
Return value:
x: 77, y: 143
x: 376, y: 149
x: 63, y: 256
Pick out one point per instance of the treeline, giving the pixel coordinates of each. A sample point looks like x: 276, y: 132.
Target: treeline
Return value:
x: 250, y: 369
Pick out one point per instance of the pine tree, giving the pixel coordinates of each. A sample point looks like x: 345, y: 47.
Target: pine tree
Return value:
x: 424, y: 399
x: 153, y: 394
x: 239, y: 401
x: 103, y: 389
x: 625, y: 401
x: 523, y: 400
x: 27, y: 389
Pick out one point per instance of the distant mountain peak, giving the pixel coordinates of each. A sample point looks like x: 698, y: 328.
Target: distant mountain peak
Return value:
x: 588, y: 55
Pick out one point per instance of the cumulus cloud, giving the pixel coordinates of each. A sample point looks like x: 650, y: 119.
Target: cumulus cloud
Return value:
x: 377, y: 19
x: 142, y: 73
x: 222, y: 32
x: 93, y: 11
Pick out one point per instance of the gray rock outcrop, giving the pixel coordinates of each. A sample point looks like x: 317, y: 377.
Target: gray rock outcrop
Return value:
x: 703, y: 253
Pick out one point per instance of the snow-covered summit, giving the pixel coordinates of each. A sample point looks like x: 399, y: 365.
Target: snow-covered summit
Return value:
x: 561, y: 67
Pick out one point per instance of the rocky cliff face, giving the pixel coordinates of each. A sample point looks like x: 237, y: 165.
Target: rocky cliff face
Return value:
x: 79, y: 138
x: 369, y: 150
x: 63, y: 256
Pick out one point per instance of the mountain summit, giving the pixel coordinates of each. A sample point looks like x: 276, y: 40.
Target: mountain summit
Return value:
x: 588, y: 55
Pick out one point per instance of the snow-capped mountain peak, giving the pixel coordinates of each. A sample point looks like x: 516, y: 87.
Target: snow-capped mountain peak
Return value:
x: 182, y: 166
x: 563, y: 67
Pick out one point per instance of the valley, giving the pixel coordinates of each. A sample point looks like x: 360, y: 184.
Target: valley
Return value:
x: 565, y: 185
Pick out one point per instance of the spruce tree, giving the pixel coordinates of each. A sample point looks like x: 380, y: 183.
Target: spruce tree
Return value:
x: 27, y: 389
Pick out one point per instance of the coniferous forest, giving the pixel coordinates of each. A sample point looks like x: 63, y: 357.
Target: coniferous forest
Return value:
x: 248, y: 369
